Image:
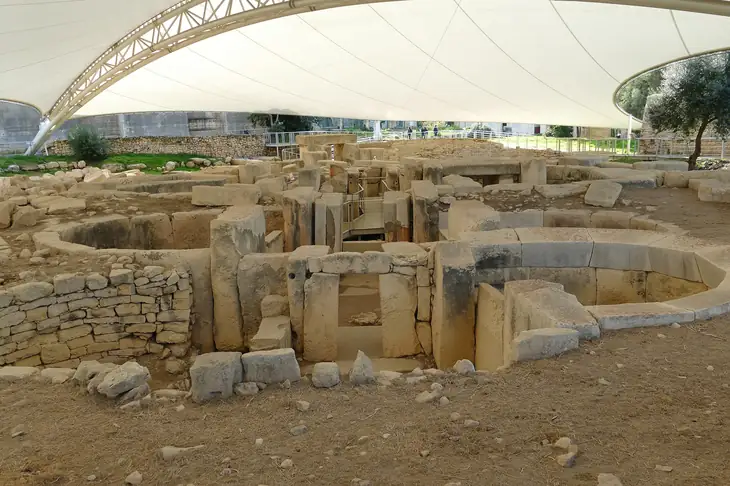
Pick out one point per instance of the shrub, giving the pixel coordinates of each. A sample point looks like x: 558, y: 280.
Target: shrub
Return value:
x: 86, y: 144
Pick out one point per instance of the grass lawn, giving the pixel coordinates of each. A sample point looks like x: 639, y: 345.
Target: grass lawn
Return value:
x: 153, y: 161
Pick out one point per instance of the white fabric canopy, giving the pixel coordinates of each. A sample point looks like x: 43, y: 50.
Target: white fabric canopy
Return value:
x: 535, y: 61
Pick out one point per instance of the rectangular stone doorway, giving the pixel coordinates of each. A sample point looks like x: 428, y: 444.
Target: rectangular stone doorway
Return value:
x: 359, y: 319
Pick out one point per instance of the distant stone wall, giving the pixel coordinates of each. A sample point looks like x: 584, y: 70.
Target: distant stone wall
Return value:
x: 120, y: 314
x: 237, y: 146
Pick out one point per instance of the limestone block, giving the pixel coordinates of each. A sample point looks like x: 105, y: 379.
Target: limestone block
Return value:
x: 411, y: 170
x: 213, y: 375
x: 328, y: 211
x: 612, y: 317
x: 493, y: 250
x: 423, y: 331
x: 530, y: 218
x: 425, y: 212
x: 514, y: 319
x: 674, y: 256
x: 533, y: 171
x: 252, y: 169
x: 123, y: 378
x: 272, y: 186
x: 237, y: 232
x: 227, y: 195
x: 260, y: 275
x: 12, y: 374
x: 489, y: 337
x: 555, y: 247
x: 612, y: 219
x: 55, y: 353
x: 397, y: 216
x: 501, y: 188
x: 310, y: 176
x: 581, y: 282
x: 274, y: 306
x: 567, y: 218
x: 325, y: 375
x: 151, y: 232
x: 660, y: 287
x: 433, y: 172
x: 6, y: 213
x: 68, y: 283
x: 554, y: 308
x: 603, y: 194
x: 274, y: 366
x: 31, y: 291
x: 321, y: 315
x: 297, y: 276
x: 620, y: 286
x: 312, y: 157
x: 554, y: 191
x: 543, y: 343
x: 622, y: 249
x: 705, y: 305
x: 353, y: 262
x: 463, y: 185
x: 713, y: 264
x: 471, y: 216
x: 273, y: 333
x: 192, y: 229
x: 452, y: 316
x: 398, y: 303
x: 298, y: 211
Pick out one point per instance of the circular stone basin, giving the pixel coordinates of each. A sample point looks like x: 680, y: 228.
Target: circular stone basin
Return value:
x: 625, y: 278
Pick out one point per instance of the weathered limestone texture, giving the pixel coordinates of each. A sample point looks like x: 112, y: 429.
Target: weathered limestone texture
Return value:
x: 555, y: 247
x: 310, y: 176
x: 660, y: 287
x: 252, y: 170
x: 192, y: 229
x: 273, y: 333
x: 214, y: 374
x: 298, y: 207
x: 237, y: 232
x: 493, y: 250
x: 151, y: 231
x: 398, y: 302
x: 452, y: 320
x: 296, y: 278
x: 425, y: 212
x: 275, y: 366
x: 321, y: 317
x: 471, y: 216
x: 580, y: 282
x: 489, y: 353
x: 612, y: 317
x: 533, y: 171
x: 620, y: 286
x: 259, y: 275
x: 328, y: 220
x: 603, y: 194
x: 227, y: 195
x: 397, y: 216
x: 543, y: 343
x: 551, y: 307
x: 622, y: 250
x: 566, y: 218
x: 122, y: 314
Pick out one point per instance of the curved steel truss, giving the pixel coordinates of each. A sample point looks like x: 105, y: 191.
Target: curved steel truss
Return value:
x: 179, y: 26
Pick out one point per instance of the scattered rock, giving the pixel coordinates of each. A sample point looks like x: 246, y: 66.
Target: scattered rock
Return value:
x: 91, y: 477
x: 57, y: 376
x: 302, y: 405
x: 180, y: 408
x: 563, y: 443
x: 661, y: 468
x: 425, y: 453
x: 134, y: 479
x: 325, y: 375
x: 661, y: 336
x: 437, y: 387
x: 710, y: 368
x: 417, y: 372
x: 470, y: 424
x: 245, y: 389
x: 286, y: 464
x: 259, y: 442
x: 608, y: 480
x: 364, y: 319
x: 434, y: 372
x: 464, y: 367
x: 675, y: 325
x: 427, y: 396
x: 455, y: 416
x: 174, y: 366
x: 123, y: 378
x: 443, y: 401
x: 603, y: 381
x: 390, y: 375
x: 298, y: 430
x: 285, y: 385
x: 17, y: 431
x: 566, y: 460
x: 169, y: 453
x: 362, y: 370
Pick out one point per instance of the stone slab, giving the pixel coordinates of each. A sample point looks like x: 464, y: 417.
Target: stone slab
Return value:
x: 555, y: 247
x: 613, y: 317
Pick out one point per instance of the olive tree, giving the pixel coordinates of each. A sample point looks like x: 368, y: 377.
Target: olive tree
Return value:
x: 694, y: 96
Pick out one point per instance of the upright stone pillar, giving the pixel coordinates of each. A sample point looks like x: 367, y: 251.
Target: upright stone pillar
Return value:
x: 425, y: 212
x: 411, y: 170
x: 339, y: 151
x: 452, y: 318
x: 398, y: 301
x: 310, y: 176
x: 296, y: 276
x: 298, y: 208
x: 321, y: 316
x: 240, y: 230
x: 533, y: 172
x: 397, y: 216
x: 328, y: 220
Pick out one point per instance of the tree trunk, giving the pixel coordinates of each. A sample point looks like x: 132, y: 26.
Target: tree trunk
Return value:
x: 698, y: 146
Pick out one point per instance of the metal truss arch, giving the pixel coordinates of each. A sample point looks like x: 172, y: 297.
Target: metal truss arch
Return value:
x: 181, y: 25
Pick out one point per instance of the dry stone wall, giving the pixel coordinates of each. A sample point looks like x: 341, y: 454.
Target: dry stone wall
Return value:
x: 124, y: 313
x: 243, y: 146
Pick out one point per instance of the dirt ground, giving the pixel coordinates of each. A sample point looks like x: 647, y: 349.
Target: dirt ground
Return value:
x: 663, y: 406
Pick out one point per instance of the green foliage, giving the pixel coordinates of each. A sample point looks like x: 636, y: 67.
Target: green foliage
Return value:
x: 87, y: 144
x: 695, y: 95
x: 560, y: 131
x: 283, y: 123
x: 633, y: 96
